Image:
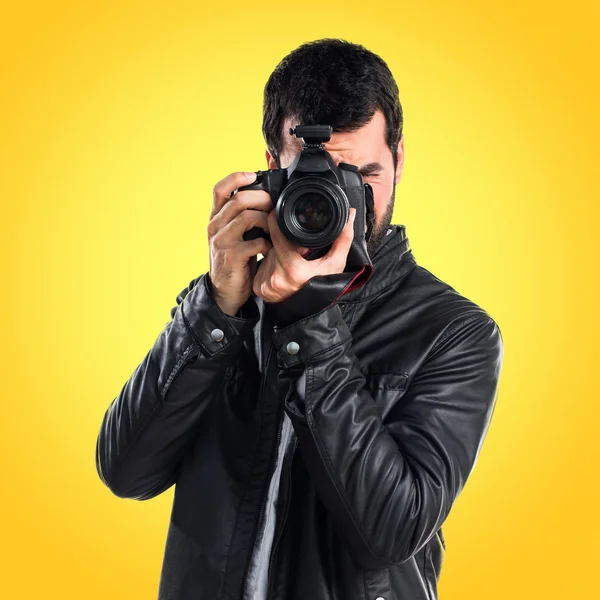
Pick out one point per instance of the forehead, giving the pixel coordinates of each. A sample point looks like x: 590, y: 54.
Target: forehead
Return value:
x: 356, y: 147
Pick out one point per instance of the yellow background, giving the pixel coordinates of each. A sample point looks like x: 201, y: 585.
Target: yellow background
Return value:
x: 117, y: 118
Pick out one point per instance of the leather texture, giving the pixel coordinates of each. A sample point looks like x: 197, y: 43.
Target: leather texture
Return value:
x: 399, y: 382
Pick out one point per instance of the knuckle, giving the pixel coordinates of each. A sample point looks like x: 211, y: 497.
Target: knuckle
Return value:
x: 240, y: 218
x: 295, y: 279
x: 245, y: 217
x: 211, y: 228
x: 236, y: 204
x: 220, y: 240
x: 266, y: 287
x: 236, y: 200
x: 277, y: 282
x: 259, y: 245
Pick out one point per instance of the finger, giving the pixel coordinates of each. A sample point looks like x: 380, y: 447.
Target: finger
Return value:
x: 338, y: 252
x: 255, y: 199
x: 223, y: 189
x: 250, y: 248
x: 285, y: 249
x: 243, y: 222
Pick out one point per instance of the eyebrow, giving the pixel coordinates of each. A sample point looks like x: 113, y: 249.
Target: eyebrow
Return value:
x: 370, y: 168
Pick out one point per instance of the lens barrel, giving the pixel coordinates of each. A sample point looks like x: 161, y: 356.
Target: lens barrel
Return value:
x: 312, y: 212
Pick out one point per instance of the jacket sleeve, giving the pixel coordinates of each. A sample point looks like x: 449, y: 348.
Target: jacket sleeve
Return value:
x: 389, y: 486
x: 150, y: 425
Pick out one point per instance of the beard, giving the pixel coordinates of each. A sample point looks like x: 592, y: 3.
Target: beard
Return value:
x: 380, y: 226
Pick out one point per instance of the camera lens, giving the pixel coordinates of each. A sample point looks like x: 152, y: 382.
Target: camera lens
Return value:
x: 313, y: 212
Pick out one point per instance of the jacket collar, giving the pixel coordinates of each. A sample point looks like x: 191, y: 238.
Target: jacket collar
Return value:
x: 392, y: 261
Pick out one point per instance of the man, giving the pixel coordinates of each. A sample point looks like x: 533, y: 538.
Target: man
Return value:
x: 318, y: 457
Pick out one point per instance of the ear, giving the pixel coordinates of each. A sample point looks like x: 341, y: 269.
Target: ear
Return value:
x: 400, y: 160
x: 270, y: 161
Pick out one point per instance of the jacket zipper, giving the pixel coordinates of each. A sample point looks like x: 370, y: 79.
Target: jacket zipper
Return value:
x: 265, y: 483
x: 285, y: 518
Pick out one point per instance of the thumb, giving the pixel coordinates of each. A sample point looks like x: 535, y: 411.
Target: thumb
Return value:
x: 341, y: 246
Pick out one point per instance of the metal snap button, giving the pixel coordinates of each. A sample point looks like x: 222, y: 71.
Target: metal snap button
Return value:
x: 380, y: 598
x: 292, y: 348
x: 217, y: 335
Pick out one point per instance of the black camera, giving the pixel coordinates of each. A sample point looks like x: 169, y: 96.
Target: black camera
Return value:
x: 312, y: 197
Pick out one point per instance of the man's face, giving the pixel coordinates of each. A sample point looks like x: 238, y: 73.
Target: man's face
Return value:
x: 366, y: 148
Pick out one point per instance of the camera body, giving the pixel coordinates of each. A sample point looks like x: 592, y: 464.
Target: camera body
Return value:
x: 313, y: 196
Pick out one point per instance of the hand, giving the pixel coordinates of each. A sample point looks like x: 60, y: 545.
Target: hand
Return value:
x: 284, y: 270
x: 233, y: 259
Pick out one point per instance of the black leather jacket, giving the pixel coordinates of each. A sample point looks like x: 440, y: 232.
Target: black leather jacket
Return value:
x: 390, y: 394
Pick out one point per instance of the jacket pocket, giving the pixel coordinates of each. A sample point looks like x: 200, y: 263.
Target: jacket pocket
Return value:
x: 386, y: 388
x: 377, y: 585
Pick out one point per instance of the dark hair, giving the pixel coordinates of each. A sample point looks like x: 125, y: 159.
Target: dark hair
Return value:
x: 330, y: 82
